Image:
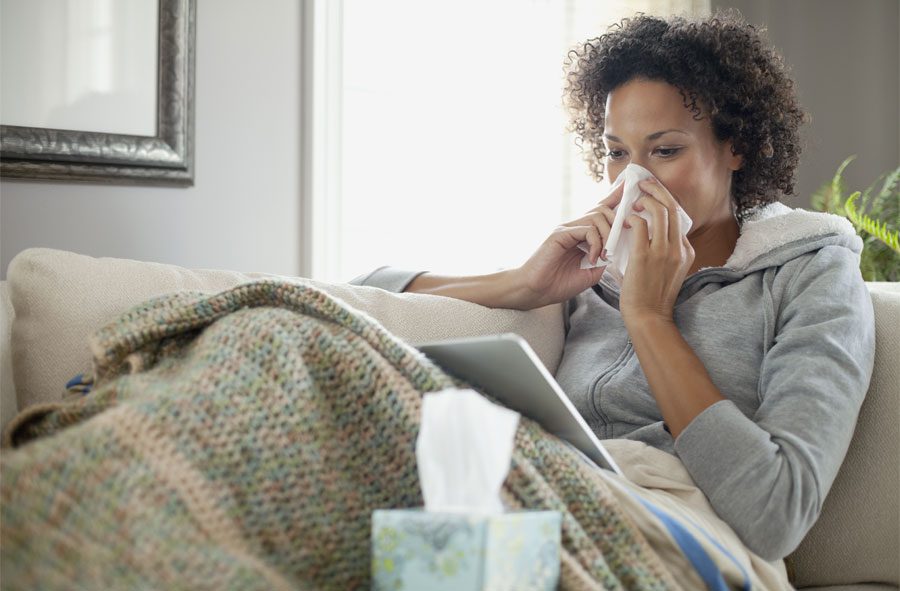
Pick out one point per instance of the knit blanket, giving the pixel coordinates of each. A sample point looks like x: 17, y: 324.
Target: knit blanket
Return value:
x: 241, y: 440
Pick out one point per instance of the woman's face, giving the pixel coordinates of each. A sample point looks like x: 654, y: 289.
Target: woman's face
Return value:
x: 648, y: 124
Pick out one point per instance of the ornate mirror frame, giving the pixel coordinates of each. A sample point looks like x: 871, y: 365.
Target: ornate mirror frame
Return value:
x: 36, y: 153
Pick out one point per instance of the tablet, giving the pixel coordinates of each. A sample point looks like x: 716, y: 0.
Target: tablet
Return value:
x: 506, y: 367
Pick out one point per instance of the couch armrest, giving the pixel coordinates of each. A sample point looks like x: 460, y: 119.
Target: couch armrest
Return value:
x: 857, y: 536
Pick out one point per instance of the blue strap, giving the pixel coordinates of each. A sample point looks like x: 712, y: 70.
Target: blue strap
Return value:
x: 694, y: 552
x: 74, y: 381
x: 79, y: 384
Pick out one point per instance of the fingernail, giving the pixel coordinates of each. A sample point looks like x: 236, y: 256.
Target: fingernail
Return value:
x: 603, y: 254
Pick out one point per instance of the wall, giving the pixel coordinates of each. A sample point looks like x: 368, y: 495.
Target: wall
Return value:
x: 845, y: 60
x: 243, y: 212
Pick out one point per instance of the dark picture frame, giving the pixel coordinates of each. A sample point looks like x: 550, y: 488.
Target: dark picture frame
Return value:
x: 34, y: 153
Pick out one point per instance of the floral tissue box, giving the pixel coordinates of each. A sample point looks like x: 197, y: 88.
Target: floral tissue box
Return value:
x: 418, y: 549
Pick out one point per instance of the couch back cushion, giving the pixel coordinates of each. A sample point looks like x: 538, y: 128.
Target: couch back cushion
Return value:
x: 857, y: 536
x: 60, y: 298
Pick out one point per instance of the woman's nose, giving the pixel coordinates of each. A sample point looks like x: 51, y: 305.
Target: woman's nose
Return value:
x: 643, y: 162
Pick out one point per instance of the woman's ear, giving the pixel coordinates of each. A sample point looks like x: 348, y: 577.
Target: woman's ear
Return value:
x: 735, y: 161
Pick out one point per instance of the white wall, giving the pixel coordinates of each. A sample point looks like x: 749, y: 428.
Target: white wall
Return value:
x: 845, y: 59
x: 243, y: 212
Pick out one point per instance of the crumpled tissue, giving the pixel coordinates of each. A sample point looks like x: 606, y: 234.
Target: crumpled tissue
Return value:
x: 463, y: 451
x: 620, y: 241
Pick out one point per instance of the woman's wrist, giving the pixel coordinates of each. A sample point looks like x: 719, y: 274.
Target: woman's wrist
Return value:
x: 646, y: 321
x: 518, y: 295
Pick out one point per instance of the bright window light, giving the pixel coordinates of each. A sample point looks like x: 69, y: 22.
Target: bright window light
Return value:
x: 441, y: 133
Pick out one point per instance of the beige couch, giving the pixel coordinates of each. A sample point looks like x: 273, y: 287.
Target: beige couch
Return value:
x: 53, y: 299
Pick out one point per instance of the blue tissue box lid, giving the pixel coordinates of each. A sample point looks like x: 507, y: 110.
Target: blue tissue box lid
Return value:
x: 417, y: 549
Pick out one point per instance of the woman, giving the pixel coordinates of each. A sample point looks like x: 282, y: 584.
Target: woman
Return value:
x: 744, y: 348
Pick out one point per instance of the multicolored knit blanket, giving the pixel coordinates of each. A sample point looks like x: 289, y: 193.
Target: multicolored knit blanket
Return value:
x: 242, y: 440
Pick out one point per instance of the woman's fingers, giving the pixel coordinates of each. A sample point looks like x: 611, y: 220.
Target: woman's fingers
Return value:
x: 590, y: 234
x: 596, y: 241
x: 603, y: 220
x: 569, y: 237
x: 661, y: 195
x: 614, y: 196
x: 660, y: 216
x: 596, y: 224
x: 638, y: 225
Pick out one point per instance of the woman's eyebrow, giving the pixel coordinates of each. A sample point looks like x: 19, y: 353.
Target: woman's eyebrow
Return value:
x: 652, y: 136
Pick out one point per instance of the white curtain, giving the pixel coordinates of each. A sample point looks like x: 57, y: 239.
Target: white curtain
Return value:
x: 440, y: 135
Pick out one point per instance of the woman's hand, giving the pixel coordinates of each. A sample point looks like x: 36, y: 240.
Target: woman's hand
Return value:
x: 657, y: 267
x: 553, y: 273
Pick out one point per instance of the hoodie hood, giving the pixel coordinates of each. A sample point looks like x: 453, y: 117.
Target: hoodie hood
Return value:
x: 771, y: 236
x: 775, y: 234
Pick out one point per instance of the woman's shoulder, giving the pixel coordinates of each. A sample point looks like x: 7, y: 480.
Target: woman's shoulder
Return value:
x: 831, y: 268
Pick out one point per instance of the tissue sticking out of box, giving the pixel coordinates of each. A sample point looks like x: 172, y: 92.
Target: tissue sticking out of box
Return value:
x: 463, y: 451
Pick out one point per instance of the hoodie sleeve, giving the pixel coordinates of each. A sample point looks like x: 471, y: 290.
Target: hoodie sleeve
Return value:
x: 768, y: 475
x: 387, y: 278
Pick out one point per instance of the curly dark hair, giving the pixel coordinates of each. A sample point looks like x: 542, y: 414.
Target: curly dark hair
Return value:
x: 722, y: 68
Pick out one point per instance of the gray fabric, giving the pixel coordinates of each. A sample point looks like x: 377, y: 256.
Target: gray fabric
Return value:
x: 387, y: 278
x: 787, y: 337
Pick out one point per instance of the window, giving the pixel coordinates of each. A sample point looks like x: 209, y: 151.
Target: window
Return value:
x: 437, y: 131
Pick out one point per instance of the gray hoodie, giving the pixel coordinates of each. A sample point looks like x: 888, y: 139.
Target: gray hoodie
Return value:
x: 786, y: 332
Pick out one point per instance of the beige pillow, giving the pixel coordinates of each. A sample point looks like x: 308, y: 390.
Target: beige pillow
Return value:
x: 61, y: 297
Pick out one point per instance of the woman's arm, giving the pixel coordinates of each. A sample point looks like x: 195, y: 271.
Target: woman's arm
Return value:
x: 552, y: 274
x: 766, y: 475
x: 494, y: 290
x: 676, y: 376
x: 502, y: 289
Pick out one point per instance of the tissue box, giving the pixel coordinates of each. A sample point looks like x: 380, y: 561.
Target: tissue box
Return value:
x: 418, y: 549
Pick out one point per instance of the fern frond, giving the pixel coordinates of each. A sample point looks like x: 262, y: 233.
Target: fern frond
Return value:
x: 820, y: 199
x: 883, y: 204
x: 876, y: 228
x: 837, y: 186
x: 889, y: 183
x: 886, y: 204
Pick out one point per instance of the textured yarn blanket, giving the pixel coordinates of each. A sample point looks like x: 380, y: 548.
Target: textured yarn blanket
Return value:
x: 242, y: 440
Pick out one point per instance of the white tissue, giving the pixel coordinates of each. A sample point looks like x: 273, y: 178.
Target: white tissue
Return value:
x: 620, y: 241
x: 463, y: 451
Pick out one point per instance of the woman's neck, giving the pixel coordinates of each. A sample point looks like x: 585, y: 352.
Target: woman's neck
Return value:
x: 714, y: 243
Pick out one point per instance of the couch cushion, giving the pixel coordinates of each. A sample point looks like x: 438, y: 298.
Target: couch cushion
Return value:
x: 856, y: 536
x: 61, y: 297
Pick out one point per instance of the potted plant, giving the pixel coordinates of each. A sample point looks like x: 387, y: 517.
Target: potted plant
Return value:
x: 876, y: 217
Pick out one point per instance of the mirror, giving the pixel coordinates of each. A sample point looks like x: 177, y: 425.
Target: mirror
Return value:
x: 97, y: 90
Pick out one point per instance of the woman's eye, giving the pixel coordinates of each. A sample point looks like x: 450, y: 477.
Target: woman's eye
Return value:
x: 614, y: 154
x: 667, y: 152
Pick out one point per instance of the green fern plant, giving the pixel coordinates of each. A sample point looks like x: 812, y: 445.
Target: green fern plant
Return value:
x: 876, y: 217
